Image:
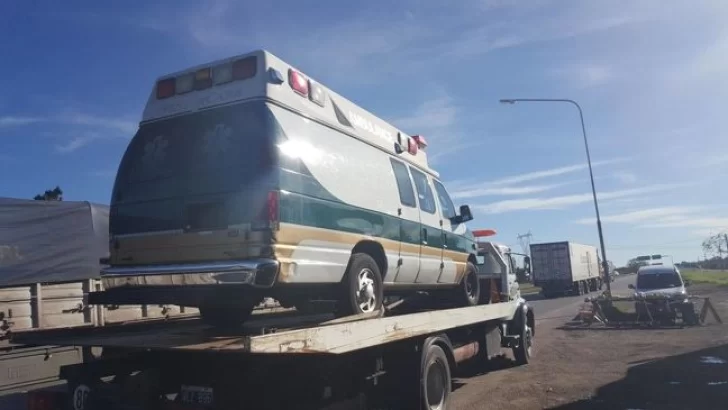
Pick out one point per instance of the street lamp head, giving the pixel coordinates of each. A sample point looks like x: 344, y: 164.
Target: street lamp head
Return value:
x: 507, y: 101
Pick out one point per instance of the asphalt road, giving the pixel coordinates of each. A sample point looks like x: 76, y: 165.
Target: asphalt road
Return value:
x: 543, y: 307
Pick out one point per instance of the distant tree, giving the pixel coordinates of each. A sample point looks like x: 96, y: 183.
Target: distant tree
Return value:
x: 715, y: 245
x: 55, y: 194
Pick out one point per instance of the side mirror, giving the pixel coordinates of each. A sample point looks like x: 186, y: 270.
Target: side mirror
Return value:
x: 465, y: 214
x: 631, y: 286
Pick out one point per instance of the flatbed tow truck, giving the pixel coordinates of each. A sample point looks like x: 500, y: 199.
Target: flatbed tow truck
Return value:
x: 401, y: 357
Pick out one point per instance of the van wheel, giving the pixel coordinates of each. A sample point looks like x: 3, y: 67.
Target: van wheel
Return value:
x: 468, y: 293
x: 225, y: 316
x: 363, y: 288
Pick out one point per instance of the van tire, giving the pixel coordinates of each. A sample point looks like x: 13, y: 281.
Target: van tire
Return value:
x: 363, y: 289
x: 468, y: 292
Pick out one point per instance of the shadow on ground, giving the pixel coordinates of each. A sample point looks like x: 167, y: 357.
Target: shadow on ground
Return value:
x: 696, y: 380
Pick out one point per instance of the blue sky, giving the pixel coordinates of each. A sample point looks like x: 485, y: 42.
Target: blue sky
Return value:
x: 651, y: 80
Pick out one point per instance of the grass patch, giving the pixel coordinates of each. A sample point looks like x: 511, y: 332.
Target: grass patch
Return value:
x: 528, y: 288
x: 713, y: 277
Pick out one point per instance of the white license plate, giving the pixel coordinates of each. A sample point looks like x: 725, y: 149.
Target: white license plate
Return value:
x: 197, y: 395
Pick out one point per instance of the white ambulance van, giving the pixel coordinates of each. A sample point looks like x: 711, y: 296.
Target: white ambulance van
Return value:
x: 248, y: 179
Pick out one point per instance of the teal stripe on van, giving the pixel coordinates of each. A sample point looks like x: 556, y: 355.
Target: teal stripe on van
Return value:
x: 320, y: 213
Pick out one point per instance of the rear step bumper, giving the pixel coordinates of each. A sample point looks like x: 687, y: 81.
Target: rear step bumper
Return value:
x: 257, y: 273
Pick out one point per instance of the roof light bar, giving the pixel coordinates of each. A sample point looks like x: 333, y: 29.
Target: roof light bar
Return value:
x: 203, y: 78
x: 298, y: 82
x: 316, y: 93
x: 245, y: 68
x: 166, y: 88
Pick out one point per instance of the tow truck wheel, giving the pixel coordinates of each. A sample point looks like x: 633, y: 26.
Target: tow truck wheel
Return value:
x: 363, y: 287
x: 435, y: 380
x: 522, y: 351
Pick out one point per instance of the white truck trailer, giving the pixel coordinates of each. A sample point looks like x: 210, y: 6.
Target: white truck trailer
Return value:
x: 565, y: 268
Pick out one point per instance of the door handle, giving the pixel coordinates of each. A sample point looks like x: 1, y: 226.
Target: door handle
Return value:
x: 424, y: 236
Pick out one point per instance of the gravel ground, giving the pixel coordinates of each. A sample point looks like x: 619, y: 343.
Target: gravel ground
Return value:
x: 606, y: 368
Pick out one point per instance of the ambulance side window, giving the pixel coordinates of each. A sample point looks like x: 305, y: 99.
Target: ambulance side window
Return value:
x: 404, y: 184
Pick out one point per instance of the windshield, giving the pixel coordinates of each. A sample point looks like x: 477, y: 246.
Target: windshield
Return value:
x: 658, y: 280
x: 187, y: 155
x: 197, y: 157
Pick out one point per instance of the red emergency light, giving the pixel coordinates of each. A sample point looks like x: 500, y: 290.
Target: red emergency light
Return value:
x: 420, y: 140
x: 298, y: 82
x: 480, y: 233
x: 411, y: 146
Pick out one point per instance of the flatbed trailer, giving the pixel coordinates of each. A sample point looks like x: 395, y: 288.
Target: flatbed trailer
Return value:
x: 393, y: 360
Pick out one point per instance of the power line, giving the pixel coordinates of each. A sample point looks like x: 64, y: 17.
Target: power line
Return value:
x: 525, y: 241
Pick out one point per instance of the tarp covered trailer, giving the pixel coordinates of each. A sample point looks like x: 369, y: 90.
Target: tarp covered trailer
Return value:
x: 50, y: 255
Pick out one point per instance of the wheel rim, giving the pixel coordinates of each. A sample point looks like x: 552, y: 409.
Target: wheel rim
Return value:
x: 366, y: 297
x: 436, y: 380
x: 471, y: 285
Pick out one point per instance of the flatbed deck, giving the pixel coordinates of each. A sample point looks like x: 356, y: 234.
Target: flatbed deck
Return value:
x: 274, y: 335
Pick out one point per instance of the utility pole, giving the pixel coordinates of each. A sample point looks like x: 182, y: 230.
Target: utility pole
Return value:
x: 525, y: 241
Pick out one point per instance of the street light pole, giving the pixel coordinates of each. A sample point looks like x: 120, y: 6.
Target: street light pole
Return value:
x: 605, y: 264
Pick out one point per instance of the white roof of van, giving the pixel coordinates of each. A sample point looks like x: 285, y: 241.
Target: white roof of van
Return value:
x: 269, y: 83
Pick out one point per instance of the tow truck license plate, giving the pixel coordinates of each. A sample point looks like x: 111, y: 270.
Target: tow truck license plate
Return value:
x: 197, y: 395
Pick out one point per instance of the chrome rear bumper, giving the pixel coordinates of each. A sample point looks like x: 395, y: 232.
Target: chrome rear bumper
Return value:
x: 259, y: 273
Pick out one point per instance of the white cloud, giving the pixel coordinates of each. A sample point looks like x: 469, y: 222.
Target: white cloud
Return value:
x: 505, y: 190
x: 645, y: 214
x: 510, y: 185
x: 434, y: 119
x: 585, y: 75
x: 565, y: 201
x: 706, y: 232
x: 14, y: 121
x: 75, y: 143
x: 530, y: 176
x: 625, y: 177
x: 432, y: 114
x: 126, y: 127
x: 84, y: 128
x: 710, y: 222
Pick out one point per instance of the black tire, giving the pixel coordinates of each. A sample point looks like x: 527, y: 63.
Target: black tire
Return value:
x: 468, y: 292
x: 484, y: 298
x: 362, y: 280
x: 522, y: 352
x: 435, y: 379
x: 225, y: 317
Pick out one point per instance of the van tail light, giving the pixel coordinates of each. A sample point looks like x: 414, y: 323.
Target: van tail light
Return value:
x: 269, y: 215
x: 272, y: 206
